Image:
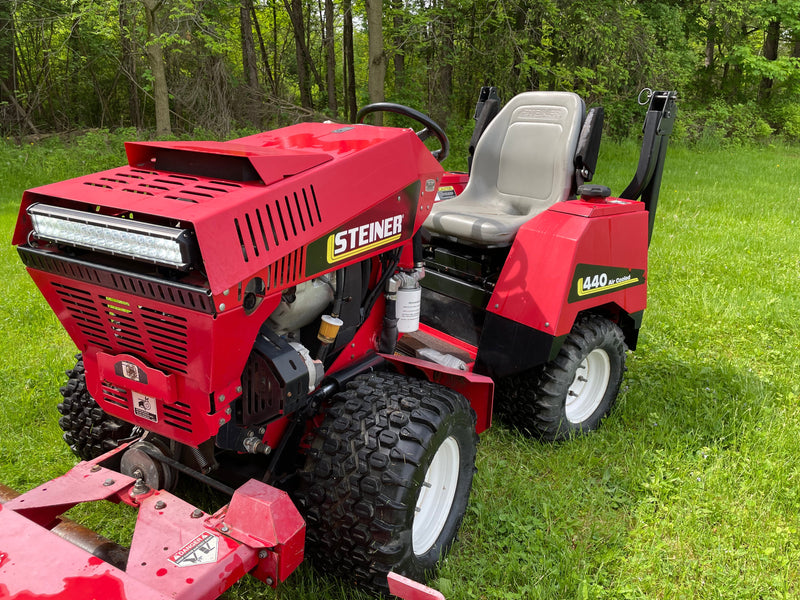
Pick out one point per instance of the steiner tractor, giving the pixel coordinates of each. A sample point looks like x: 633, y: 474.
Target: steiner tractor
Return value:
x: 317, y: 322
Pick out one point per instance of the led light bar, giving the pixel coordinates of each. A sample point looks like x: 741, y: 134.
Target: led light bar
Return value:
x: 121, y: 237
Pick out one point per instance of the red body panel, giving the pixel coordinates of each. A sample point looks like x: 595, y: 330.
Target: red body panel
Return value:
x: 244, y: 229
x: 534, y: 288
x: 176, y: 552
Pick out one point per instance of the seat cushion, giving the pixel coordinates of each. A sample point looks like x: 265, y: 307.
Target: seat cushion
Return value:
x: 523, y: 164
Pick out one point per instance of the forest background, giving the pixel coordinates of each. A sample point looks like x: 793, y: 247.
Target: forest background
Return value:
x: 218, y: 67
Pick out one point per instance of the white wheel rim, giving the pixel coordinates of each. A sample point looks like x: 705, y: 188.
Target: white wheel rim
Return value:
x: 589, y: 386
x: 436, y: 496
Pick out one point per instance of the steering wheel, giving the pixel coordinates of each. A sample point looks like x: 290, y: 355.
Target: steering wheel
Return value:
x: 431, y: 127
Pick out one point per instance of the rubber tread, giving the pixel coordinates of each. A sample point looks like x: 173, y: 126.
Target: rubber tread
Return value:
x: 88, y: 430
x: 534, y: 402
x: 365, y: 466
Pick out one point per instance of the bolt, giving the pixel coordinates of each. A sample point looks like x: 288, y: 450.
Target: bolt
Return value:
x: 269, y: 581
x: 228, y: 410
x: 140, y: 487
x: 546, y: 324
x: 262, y: 554
x: 197, y: 513
x: 221, y: 422
x: 222, y: 398
x: 497, y: 306
x: 108, y: 482
x: 226, y: 292
x: 224, y: 529
x: 161, y: 505
x: 221, y: 307
x: 239, y: 389
x: 95, y: 468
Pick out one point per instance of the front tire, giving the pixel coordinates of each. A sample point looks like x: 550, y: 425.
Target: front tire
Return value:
x: 88, y: 430
x: 571, y: 394
x: 388, y: 478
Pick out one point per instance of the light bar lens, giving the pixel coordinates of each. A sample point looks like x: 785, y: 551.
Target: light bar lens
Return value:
x: 142, y: 241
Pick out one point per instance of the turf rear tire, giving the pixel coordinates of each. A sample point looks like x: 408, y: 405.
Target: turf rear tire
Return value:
x: 88, y: 430
x: 387, y: 479
x: 571, y: 394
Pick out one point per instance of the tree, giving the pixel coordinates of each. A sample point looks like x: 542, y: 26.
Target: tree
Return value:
x: 155, y: 56
x: 377, y: 55
x: 249, y: 62
x: 128, y: 62
x: 348, y: 62
x: 330, y: 58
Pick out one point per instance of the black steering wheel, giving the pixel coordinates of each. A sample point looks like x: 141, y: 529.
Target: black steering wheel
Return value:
x: 431, y: 127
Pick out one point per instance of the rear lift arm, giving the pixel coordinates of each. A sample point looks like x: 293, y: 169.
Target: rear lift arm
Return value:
x: 658, y: 124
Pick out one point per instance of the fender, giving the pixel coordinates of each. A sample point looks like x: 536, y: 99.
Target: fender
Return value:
x: 601, y: 250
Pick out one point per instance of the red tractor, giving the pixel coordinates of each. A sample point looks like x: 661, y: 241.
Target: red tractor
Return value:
x: 314, y: 321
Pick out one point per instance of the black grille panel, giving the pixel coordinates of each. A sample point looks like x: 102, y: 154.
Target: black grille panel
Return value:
x: 118, y: 326
x: 193, y: 298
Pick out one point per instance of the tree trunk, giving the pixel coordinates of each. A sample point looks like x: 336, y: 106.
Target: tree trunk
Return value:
x: 295, y: 10
x: 129, y: 64
x: 330, y: 58
x: 348, y: 64
x: 8, y: 55
x: 377, y: 56
x: 264, y: 56
x: 304, y: 61
x: 770, y: 52
x: 249, y: 63
x: 155, y: 56
x: 399, y: 58
x: 442, y: 87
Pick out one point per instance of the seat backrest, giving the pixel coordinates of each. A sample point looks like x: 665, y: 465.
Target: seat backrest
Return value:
x: 524, y: 160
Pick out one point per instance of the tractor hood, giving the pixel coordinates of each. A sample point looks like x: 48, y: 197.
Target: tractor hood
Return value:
x: 256, y: 201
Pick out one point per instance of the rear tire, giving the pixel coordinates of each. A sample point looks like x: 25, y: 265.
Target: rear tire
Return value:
x: 388, y: 478
x: 88, y: 430
x: 571, y: 394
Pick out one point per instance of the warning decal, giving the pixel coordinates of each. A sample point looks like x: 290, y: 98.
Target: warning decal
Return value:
x: 145, y: 407
x: 202, y: 550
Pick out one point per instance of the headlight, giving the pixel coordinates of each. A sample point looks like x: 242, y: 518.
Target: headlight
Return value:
x: 143, y: 241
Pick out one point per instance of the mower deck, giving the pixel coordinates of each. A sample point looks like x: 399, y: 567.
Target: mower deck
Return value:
x: 177, y: 551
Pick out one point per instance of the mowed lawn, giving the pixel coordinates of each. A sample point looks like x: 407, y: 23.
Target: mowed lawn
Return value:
x: 689, y: 490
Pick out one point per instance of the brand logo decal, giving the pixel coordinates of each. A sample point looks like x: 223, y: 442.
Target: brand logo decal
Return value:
x: 367, y: 233
x: 350, y: 242
x: 594, y: 280
x: 202, y: 550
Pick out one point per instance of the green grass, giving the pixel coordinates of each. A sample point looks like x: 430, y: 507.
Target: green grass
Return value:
x: 689, y: 490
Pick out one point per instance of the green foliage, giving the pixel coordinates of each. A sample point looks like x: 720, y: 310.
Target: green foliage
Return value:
x: 82, y: 63
x: 721, y: 123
